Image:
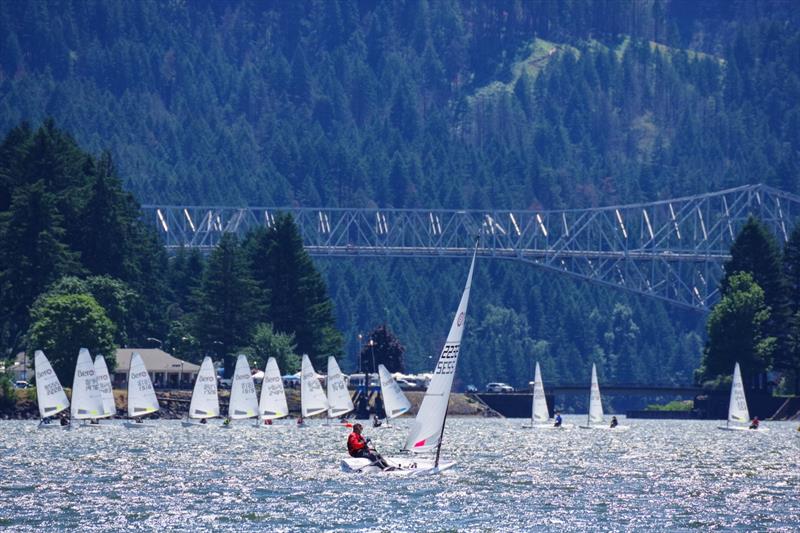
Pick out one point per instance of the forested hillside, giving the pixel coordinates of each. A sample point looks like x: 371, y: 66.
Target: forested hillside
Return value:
x: 424, y: 104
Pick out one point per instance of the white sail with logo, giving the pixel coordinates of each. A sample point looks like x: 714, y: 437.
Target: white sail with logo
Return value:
x: 104, y: 383
x: 141, y: 395
x: 312, y: 398
x: 273, y: 398
x: 539, y: 412
x: 595, y: 402
x: 51, y: 396
x: 244, y: 403
x: 737, y: 408
x: 86, y: 401
x: 395, y: 402
x: 339, y: 401
x: 205, y: 400
x: 428, y: 427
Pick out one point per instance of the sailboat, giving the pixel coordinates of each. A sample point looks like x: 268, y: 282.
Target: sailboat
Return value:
x: 738, y: 414
x: 49, y: 393
x: 141, y: 395
x: 339, y: 400
x: 427, y: 430
x: 106, y: 391
x: 312, y: 397
x: 540, y: 416
x: 272, y: 404
x: 595, y: 417
x: 205, y: 401
x: 243, y: 403
x: 395, y: 402
x: 86, y: 401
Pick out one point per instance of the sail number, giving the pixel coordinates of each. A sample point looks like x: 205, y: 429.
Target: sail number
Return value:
x: 448, y: 360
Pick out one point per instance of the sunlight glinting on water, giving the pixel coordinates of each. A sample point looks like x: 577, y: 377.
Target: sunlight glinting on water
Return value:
x: 673, y: 475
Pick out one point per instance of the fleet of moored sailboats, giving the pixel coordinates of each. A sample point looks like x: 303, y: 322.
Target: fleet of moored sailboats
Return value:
x: 92, y: 399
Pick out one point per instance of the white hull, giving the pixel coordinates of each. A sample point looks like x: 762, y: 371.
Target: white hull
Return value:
x: 138, y: 425
x: 406, y: 466
x: 607, y: 428
x: 547, y: 426
x: 52, y: 425
x: 742, y: 428
x: 86, y: 424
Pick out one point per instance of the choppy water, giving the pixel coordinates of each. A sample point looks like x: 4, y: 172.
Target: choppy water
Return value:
x: 660, y: 475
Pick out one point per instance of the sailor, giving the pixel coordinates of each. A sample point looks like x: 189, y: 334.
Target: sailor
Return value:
x: 300, y: 421
x: 376, y: 422
x: 64, y: 421
x: 754, y: 424
x: 227, y: 421
x: 267, y: 421
x: 358, y: 446
x: 558, y: 420
x: 203, y: 421
x: 139, y: 420
x: 614, y: 422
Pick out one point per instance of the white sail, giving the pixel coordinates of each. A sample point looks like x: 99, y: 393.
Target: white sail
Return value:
x: 104, y: 383
x: 395, y: 402
x: 86, y: 401
x: 737, y: 409
x: 312, y: 398
x: 339, y: 401
x: 244, y: 403
x: 595, y: 403
x: 427, y: 429
x: 51, y: 396
x: 141, y: 395
x: 205, y: 401
x: 273, y: 398
x: 539, y: 412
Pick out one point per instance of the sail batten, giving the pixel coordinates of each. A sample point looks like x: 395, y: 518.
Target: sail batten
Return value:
x: 426, y: 431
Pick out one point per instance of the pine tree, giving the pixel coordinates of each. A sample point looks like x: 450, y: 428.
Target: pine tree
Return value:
x: 382, y: 348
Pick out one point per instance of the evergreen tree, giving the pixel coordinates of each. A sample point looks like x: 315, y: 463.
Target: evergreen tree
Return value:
x: 228, y: 304
x: 382, y: 348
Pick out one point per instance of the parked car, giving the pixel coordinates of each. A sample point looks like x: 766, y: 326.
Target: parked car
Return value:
x: 499, y: 387
x: 472, y: 388
x: 22, y: 385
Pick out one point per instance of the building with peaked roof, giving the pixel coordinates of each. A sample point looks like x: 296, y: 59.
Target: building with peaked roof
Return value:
x: 165, y: 370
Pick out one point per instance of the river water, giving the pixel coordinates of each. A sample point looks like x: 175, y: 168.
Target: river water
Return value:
x: 660, y: 475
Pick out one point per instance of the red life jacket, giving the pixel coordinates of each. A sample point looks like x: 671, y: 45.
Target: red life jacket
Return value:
x: 355, y: 443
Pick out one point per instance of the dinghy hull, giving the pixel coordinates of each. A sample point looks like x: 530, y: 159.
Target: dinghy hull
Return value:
x: 405, y: 466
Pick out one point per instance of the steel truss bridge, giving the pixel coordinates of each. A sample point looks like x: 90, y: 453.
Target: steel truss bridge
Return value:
x: 670, y: 249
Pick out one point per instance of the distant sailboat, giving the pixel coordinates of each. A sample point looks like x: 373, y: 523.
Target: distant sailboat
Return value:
x: 50, y: 395
x: 427, y: 430
x: 312, y: 397
x: 243, y: 403
x: 339, y: 400
x: 395, y: 402
x: 595, y: 417
x: 540, y: 416
x: 273, y: 398
x: 106, y: 391
x: 86, y: 401
x: 205, y: 399
x: 738, y: 414
x: 141, y: 395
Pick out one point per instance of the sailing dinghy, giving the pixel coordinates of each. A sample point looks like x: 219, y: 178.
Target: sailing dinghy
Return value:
x: 141, y: 395
x: 106, y: 391
x: 395, y: 402
x: 50, y: 395
x: 540, y: 416
x: 339, y: 401
x: 273, y: 398
x: 427, y: 430
x: 243, y: 403
x: 738, y: 414
x: 86, y: 401
x: 595, y: 417
x: 205, y: 400
x: 312, y: 397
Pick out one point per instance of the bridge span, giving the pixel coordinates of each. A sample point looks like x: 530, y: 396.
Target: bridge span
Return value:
x: 669, y: 249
